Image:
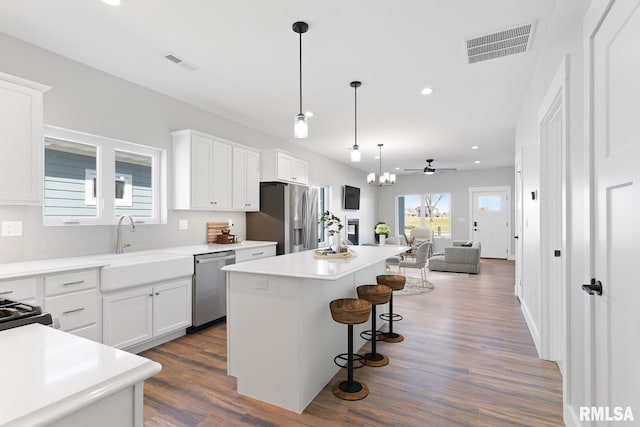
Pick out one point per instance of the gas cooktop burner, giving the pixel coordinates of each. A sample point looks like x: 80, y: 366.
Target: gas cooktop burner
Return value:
x: 14, y: 313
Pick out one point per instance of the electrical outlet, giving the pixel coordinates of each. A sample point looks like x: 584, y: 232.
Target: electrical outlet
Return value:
x: 262, y: 284
x: 11, y: 228
x: 183, y: 224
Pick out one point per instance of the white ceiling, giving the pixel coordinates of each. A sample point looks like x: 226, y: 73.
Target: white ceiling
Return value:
x: 246, y: 56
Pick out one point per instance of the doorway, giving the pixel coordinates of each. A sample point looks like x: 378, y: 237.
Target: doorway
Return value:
x: 490, y: 220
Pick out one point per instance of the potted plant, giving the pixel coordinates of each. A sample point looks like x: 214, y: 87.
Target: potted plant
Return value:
x: 382, y: 229
x: 333, y: 225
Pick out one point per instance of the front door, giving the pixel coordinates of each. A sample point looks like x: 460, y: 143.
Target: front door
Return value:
x: 490, y: 222
x: 615, y: 100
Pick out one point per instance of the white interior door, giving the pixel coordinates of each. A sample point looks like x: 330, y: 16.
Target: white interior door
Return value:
x: 490, y: 222
x: 615, y: 104
x: 518, y: 226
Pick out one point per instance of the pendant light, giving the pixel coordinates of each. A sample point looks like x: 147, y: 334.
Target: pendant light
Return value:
x: 383, y: 178
x: 300, y: 128
x: 355, y: 152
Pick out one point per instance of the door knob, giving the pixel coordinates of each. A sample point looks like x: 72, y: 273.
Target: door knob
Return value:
x: 595, y: 287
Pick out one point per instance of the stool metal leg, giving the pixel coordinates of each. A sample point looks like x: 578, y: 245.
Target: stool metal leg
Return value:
x: 391, y: 336
x: 350, y: 389
x: 374, y: 358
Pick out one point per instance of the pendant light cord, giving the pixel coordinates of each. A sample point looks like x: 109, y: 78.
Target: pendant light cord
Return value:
x: 300, y: 34
x: 355, y: 113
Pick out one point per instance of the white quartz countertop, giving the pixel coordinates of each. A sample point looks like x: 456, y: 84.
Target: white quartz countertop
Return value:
x: 305, y: 265
x: 48, y: 374
x: 55, y: 265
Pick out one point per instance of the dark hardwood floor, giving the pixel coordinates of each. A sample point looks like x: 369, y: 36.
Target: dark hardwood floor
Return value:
x: 467, y: 360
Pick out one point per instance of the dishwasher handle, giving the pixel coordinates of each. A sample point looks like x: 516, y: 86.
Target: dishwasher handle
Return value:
x: 217, y: 259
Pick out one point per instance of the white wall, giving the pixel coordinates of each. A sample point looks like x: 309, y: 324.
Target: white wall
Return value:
x: 456, y: 183
x: 88, y: 100
x: 564, y: 37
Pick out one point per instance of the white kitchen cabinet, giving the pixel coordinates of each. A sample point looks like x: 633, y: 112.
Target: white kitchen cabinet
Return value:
x: 72, y: 300
x: 278, y: 165
x: 142, y: 314
x: 23, y: 290
x: 255, y: 253
x: 21, y: 149
x: 201, y: 171
x: 246, y: 179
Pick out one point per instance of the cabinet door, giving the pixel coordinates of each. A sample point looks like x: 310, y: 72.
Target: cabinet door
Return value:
x: 171, y: 307
x: 252, y: 201
x: 221, y: 173
x: 239, y: 178
x: 285, y: 167
x: 299, y: 171
x: 201, y: 172
x: 20, y: 141
x: 127, y: 318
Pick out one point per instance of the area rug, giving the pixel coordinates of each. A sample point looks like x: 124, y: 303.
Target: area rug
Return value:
x: 414, y: 286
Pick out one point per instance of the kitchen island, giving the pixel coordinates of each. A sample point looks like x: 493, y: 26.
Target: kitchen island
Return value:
x: 280, y: 335
x: 54, y: 378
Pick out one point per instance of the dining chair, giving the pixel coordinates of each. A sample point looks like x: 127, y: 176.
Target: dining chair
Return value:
x: 394, y: 260
x: 419, y: 262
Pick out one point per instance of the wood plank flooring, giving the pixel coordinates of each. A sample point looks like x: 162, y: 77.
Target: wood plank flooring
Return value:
x: 467, y: 360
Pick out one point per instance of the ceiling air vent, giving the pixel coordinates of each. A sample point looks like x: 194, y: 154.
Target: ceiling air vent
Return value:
x: 173, y: 58
x: 503, y: 43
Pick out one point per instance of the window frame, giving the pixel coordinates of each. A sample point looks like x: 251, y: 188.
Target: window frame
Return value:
x: 423, y: 213
x: 105, y: 173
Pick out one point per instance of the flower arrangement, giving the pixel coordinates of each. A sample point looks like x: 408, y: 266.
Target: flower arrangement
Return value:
x: 332, y: 223
x: 382, y: 228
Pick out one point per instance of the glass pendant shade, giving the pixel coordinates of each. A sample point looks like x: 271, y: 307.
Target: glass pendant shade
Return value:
x: 355, y: 154
x: 385, y: 178
x: 300, y: 128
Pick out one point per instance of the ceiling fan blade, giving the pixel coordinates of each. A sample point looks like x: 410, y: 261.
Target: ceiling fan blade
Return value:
x: 443, y: 170
x: 410, y: 170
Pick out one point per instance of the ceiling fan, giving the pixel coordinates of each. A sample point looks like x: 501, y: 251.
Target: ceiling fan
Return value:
x: 430, y: 170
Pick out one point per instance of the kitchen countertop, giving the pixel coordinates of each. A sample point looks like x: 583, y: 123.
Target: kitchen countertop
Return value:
x: 54, y: 265
x: 305, y: 265
x: 49, y: 374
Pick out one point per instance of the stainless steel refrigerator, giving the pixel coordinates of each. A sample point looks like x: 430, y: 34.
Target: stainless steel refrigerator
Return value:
x: 288, y: 215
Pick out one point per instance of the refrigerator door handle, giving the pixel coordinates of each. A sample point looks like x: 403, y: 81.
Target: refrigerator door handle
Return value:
x: 305, y: 244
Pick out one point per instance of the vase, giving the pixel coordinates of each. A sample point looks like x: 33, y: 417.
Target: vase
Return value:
x: 335, y: 242
x: 377, y: 236
x: 383, y: 238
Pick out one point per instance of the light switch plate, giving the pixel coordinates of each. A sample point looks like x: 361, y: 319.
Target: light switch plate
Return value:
x: 11, y: 228
x: 183, y: 224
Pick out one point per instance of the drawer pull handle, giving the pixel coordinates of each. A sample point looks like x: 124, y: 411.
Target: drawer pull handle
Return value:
x: 6, y: 292
x: 257, y: 253
x: 64, y: 313
x: 78, y: 282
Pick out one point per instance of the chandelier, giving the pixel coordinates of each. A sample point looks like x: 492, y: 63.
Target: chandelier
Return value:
x: 383, y: 178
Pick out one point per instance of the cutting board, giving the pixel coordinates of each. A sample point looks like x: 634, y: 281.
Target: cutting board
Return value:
x: 214, y: 229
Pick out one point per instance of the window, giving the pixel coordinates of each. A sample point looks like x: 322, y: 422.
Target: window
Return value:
x: 77, y: 169
x: 427, y: 210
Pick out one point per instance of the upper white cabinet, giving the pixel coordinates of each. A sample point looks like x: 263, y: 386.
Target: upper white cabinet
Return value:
x: 246, y: 179
x: 201, y: 171
x: 280, y: 166
x: 20, y: 140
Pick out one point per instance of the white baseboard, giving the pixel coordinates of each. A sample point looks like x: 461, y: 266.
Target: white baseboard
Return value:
x: 533, y: 328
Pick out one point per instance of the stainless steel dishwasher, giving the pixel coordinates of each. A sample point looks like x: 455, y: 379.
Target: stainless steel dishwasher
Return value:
x: 210, y: 287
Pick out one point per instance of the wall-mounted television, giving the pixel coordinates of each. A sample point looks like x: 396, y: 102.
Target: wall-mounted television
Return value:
x: 351, y: 198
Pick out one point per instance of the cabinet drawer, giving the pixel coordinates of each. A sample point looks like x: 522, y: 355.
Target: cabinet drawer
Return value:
x: 255, y: 253
x: 19, y: 290
x: 70, y: 282
x: 74, y: 310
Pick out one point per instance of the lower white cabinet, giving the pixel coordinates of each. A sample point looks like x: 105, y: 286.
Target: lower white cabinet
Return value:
x: 134, y: 316
x: 23, y: 290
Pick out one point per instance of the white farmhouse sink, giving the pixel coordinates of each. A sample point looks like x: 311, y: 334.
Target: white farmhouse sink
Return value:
x: 132, y: 269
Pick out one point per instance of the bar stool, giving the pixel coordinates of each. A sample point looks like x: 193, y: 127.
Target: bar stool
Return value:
x: 350, y: 311
x: 395, y: 282
x: 376, y: 295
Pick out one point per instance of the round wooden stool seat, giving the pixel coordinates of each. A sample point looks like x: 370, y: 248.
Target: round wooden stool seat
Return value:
x: 394, y: 281
x: 350, y: 311
x: 375, y: 294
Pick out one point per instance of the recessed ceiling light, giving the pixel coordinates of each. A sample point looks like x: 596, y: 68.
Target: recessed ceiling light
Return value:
x: 397, y: 169
x: 308, y: 114
x: 112, y: 2
x: 476, y: 162
x: 475, y: 147
x: 426, y: 91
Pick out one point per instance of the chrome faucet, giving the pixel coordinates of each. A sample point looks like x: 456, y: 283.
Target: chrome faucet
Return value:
x: 119, y: 242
